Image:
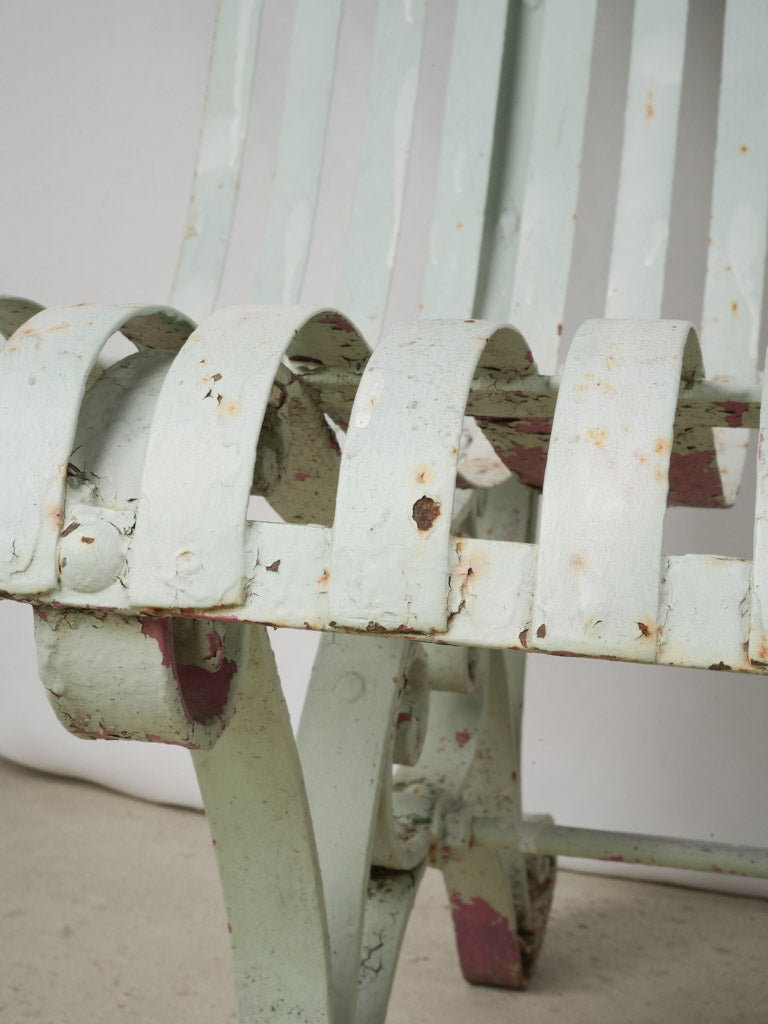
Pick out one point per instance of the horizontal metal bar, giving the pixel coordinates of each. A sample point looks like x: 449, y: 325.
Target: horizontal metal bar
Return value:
x: 716, y: 403
x: 544, y: 838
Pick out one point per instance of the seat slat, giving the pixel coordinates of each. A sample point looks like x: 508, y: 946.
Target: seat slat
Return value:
x: 548, y: 220
x: 219, y: 157
x: 465, y: 159
x: 641, y: 227
x: 377, y: 206
x: 293, y: 197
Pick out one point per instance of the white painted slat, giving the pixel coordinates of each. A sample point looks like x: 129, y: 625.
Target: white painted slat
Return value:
x: 465, y: 158
x: 44, y: 367
x: 549, y: 213
x: 758, y: 637
x: 511, y: 157
x: 734, y: 285
x: 733, y: 293
x: 377, y: 206
x: 219, y: 157
x: 189, y: 537
x: 293, y: 196
x: 641, y: 225
x: 398, y: 471
x: 605, y: 489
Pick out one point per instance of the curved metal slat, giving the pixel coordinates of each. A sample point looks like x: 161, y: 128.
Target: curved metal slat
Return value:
x: 378, y: 202
x: 465, y: 157
x: 219, y: 157
x: 189, y: 541
x: 605, y: 492
x: 733, y: 292
x: 257, y: 810
x: 45, y: 365
x: 397, y: 480
x: 548, y: 215
x: 641, y: 224
x: 293, y: 196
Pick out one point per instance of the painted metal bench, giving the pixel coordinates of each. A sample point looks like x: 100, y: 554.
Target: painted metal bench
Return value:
x: 127, y: 526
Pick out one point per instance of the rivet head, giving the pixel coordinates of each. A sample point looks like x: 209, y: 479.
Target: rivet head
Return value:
x: 91, y: 554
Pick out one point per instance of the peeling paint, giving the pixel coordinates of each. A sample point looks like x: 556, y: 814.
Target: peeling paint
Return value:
x: 489, y: 949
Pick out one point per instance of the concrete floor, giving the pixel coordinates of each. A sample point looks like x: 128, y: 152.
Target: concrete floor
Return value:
x: 110, y: 912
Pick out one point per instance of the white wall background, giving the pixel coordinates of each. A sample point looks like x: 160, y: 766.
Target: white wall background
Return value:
x: 99, y: 119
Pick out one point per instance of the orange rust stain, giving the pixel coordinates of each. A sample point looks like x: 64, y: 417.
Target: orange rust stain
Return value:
x: 661, y: 445
x: 744, y: 149
x: 610, y: 363
x: 229, y: 407
x: 423, y: 474
x: 644, y: 628
x: 459, y: 224
x: 541, y: 632
x: 56, y: 515
x: 597, y: 436
x: 659, y: 474
x: 323, y: 578
x: 425, y: 512
x: 577, y: 562
x: 649, y: 108
x: 734, y: 307
x: 57, y: 327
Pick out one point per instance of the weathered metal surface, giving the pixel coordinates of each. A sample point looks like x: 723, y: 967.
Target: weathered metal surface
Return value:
x: 219, y: 157
x: 124, y: 545
x: 644, y: 201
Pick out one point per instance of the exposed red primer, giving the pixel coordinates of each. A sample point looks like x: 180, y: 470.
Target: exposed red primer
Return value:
x: 301, y: 476
x: 489, y: 949
x: 535, y: 425
x: 529, y: 355
x: 694, y: 480
x: 528, y: 463
x: 215, y: 645
x: 462, y: 737
x: 161, y: 631
x: 205, y: 692
x: 229, y: 927
x: 333, y: 444
x: 152, y: 737
x: 338, y: 322
x: 404, y: 716
x: 41, y: 614
x: 736, y: 412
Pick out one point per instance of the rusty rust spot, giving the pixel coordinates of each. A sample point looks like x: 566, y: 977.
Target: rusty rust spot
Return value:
x: 423, y: 475
x: 323, y: 578
x: 720, y: 667
x: 523, y: 637
x: 374, y: 627
x: 459, y: 224
x: 87, y: 540
x: 644, y: 628
x: 597, y: 436
x: 216, y: 376
x: 559, y: 330
x: 541, y: 632
x: 649, y: 109
x: 734, y: 307
x: 275, y: 567
x: 70, y: 529
x: 744, y: 149
x: 661, y: 445
x: 577, y: 562
x: 425, y: 512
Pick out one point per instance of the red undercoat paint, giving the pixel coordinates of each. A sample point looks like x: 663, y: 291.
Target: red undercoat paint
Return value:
x: 694, y: 480
x: 735, y: 412
x: 488, y: 948
x: 462, y: 737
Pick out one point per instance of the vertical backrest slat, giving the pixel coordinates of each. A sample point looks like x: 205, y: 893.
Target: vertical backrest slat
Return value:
x: 219, y: 157
x: 735, y: 268
x: 293, y: 196
x: 641, y: 226
x: 543, y: 258
x: 465, y: 159
x: 377, y: 206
